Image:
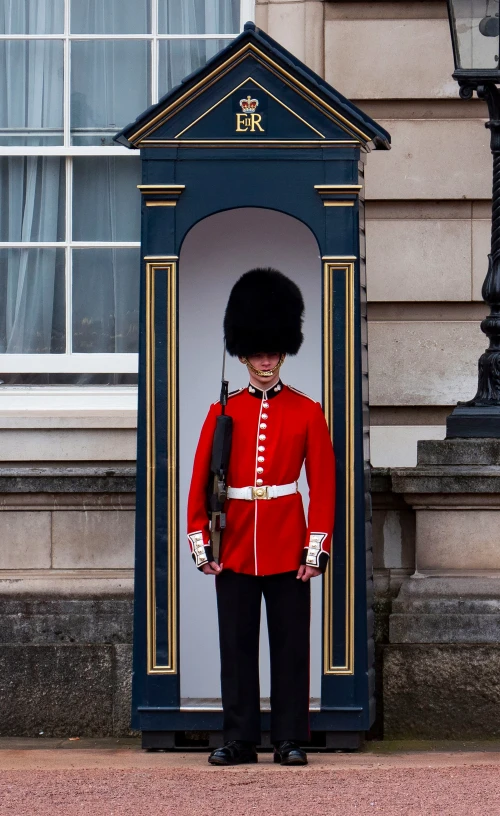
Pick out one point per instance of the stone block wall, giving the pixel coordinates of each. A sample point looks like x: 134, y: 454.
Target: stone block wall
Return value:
x: 66, y: 599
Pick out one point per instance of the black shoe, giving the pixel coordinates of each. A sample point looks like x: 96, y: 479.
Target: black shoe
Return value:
x: 234, y: 752
x: 289, y: 753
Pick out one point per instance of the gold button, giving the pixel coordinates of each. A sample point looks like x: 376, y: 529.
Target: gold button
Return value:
x: 262, y: 437
x: 260, y: 470
x: 259, y: 481
x: 260, y: 492
x: 263, y: 426
x: 265, y: 405
x: 261, y: 448
x: 264, y: 416
x: 260, y: 459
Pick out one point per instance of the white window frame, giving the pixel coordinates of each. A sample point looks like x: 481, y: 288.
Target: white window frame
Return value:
x: 71, y: 362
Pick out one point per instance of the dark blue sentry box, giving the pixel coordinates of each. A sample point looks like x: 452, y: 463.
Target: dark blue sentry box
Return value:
x: 254, y: 128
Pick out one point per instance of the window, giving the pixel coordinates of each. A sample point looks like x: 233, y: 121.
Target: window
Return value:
x: 72, y: 73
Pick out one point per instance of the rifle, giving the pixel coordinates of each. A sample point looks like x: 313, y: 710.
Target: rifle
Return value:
x: 221, y: 449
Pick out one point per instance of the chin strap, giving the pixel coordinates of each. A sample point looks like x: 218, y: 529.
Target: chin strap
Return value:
x: 267, y: 374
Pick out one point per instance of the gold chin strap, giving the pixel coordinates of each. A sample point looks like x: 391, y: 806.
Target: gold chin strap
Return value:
x: 267, y: 374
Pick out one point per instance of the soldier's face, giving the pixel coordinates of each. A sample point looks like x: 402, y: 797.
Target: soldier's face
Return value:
x: 265, y: 361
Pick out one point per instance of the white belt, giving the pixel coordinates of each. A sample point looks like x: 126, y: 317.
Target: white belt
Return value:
x: 263, y: 492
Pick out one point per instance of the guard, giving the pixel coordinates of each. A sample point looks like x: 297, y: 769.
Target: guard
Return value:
x: 267, y: 548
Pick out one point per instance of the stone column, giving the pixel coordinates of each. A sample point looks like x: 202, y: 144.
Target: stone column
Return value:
x: 442, y: 663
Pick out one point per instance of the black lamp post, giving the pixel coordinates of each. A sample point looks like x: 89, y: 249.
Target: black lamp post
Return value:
x: 475, y: 33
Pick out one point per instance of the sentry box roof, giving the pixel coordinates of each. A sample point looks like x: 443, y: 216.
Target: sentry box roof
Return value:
x: 254, y: 92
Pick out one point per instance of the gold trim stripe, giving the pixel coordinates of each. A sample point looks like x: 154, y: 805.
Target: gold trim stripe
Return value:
x: 161, y: 203
x: 346, y: 268
x: 338, y: 203
x: 170, y: 269
x: 246, y: 142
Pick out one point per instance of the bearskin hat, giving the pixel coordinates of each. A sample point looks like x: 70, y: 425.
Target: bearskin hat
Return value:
x: 264, y: 313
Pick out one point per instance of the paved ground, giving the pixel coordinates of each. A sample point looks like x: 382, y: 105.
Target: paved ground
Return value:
x: 111, y: 778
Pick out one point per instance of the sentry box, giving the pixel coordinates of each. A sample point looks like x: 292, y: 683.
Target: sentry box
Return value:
x: 253, y: 160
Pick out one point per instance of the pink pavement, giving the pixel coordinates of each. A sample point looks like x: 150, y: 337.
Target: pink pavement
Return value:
x: 121, y: 781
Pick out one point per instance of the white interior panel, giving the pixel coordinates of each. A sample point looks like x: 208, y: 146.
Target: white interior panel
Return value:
x: 215, y: 253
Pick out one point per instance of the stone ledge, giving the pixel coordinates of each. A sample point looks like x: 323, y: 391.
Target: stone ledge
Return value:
x: 453, y: 609
x: 446, y: 452
x: 109, y: 478
x: 446, y: 479
x: 39, y: 585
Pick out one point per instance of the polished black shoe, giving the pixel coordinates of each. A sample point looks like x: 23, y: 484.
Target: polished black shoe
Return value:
x: 234, y: 752
x: 289, y: 753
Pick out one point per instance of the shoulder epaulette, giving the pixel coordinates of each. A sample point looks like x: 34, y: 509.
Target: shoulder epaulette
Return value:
x: 231, y: 394
x: 301, y: 393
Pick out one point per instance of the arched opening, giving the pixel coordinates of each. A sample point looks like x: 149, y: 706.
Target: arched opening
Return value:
x: 216, y: 251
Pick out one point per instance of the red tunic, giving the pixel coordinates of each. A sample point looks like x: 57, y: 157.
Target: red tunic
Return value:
x: 274, y: 432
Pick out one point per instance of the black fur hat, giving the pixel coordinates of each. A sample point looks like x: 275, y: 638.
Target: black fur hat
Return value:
x: 264, y: 313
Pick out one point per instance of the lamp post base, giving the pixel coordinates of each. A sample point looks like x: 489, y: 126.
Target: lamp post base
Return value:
x: 472, y: 421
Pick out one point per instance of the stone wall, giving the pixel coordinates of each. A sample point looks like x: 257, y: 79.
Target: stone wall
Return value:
x: 66, y: 598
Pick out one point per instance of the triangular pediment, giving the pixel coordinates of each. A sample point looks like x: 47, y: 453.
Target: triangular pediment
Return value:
x: 253, y: 92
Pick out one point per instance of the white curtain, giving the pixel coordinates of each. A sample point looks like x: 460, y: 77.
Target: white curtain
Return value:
x: 179, y: 58
x: 198, y: 16
x: 110, y: 79
x: 31, y: 95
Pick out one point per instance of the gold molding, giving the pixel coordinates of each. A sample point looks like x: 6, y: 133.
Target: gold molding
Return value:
x: 246, y: 142
x: 290, y: 80
x: 170, y: 270
x: 249, y: 79
x: 161, y: 195
x: 160, y: 188
x: 338, y: 195
x: 343, y: 267
x: 338, y: 188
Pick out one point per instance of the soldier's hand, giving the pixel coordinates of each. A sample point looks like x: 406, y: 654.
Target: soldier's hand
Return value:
x: 305, y: 572
x: 211, y: 568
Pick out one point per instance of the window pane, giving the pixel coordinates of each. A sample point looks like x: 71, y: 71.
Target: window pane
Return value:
x: 105, y: 300
x: 179, y: 58
x: 110, y: 85
x: 198, y: 16
x: 106, y: 201
x: 31, y: 92
x: 111, y: 16
x: 31, y: 16
x: 31, y: 198
x: 32, y: 301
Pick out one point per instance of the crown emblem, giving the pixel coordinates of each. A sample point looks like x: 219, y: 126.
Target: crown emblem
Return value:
x: 249, y: 105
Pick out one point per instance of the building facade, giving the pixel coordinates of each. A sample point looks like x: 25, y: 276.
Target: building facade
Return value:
x: 73, y: 74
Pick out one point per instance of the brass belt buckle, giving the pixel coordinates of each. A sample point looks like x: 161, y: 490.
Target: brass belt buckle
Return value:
x: 259, y: 493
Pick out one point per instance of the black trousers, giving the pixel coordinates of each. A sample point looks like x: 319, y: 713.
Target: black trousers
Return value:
x: 288, y: 607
